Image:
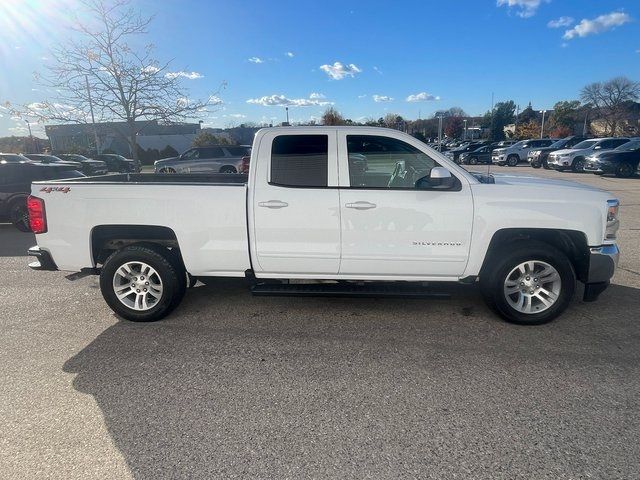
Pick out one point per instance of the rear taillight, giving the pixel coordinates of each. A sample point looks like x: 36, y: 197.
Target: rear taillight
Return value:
x: 244, y: 167
x: 37, y: 215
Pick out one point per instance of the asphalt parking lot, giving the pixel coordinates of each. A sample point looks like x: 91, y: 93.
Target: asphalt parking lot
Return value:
x: 232, y: 386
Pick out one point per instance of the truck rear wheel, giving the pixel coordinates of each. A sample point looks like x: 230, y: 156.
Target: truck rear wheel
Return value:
x: 141, y: 283
x: 532, y: 284
x: 19, y: 215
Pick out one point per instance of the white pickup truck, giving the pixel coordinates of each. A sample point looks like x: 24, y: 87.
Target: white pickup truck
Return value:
x: 331, y: 211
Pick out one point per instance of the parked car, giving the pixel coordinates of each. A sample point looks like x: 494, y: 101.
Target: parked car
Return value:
x: 574, y: 158
x: 464, y: 148
x: 210, y: 159
x: 539, y: 157
x: 479, y: 155
x: 518, y: 152
x: 15, y: 186
x: 118, y: 163
x: 89, y: 166
x: 12, y: 158
x: 621, y: 161
x: 305, y: 212
x: 48, y: 159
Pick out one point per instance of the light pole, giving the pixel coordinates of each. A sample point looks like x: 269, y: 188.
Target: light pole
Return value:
x: 465, y: 128
x: 440, y: 132
x: 287, y: 109
x: 30, y: 134
x: 543, y: 112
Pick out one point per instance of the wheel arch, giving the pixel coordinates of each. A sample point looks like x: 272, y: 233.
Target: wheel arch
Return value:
x: 105, y: 239
x: 572, y: 243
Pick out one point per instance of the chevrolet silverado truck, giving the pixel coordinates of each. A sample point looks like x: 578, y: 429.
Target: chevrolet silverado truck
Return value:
x: 331, y: 211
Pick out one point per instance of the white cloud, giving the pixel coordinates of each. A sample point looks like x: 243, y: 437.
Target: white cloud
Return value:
x: 316, y: 96
x: 422, y: 97
x: 597, y: 25
x: 256, y: 60
x: 235, y: 115
x: 150, y: 70
x: 525, y: 8
x: 338, y: 70
x: 215, y: 100
x: 182, y: 74
x: 382, y: 98
x: 282, y: 101
x: 377, y: 70
x: 289, y: 54
x: 362, y: 96
x: 561, y: 22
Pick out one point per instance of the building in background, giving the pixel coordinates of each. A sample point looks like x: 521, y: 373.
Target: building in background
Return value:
x: 112, y: 136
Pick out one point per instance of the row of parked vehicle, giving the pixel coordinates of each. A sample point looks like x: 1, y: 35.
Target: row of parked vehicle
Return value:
x: 618, y: 156
x: 98, y: 165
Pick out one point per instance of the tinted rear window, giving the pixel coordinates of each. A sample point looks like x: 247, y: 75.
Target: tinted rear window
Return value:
x: 300, y: 160
x: 238, y: 151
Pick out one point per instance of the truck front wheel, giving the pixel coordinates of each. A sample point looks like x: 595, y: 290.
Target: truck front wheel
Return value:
x: 141, y: 283
x: 532, y: 284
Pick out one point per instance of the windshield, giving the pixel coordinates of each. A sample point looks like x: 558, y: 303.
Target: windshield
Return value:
x: 559, y: 144
x: 629, y: 146
x: 12, y: 158
x: 585, y: 144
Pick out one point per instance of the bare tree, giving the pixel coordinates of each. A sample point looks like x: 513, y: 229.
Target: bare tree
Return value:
x: 331, y: 116
x: 98, y: 74
x: 611, y: 100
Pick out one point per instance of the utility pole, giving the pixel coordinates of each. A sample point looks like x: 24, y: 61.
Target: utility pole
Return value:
x: 31, y: 144
x: 440, y: 132
x: 93, y: 120
x: 465, y: 128
x: 543, y: 112
x: 492, y: 115
x: 287, y: 110
x: 517, y: 114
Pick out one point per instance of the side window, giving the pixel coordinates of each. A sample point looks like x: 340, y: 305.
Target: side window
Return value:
x: 383, y: 162
x: 211, y: 152
x: 300, y: 160
x: 616, y: 143
x: 191, y: 154
x: 237, y: 151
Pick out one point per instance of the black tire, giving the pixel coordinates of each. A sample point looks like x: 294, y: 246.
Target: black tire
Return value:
x: 535, y: 164
x: 494, y: 274
x: 166, y: 170
x: 578, y: 165
x: 513, y: 160
x: 545, y: 165
x: 168, y: 269
x: 19, y: 215
x: 228, y: 169
x: 625, y: 170
x: 473, y: 161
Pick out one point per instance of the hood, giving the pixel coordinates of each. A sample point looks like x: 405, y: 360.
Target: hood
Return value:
x: 546, y: 149
x: 165, y: 160
x: 605, y: 154
x: 566, y: 151
x: 499, y: 150
x: 528, y: 180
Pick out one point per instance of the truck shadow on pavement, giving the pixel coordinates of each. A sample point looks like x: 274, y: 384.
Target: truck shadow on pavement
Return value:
x: 233, y: 385
x: 14, y: 243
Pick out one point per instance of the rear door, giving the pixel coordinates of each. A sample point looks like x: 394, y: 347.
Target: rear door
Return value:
x: 295, y: 206
x: 389, y: 226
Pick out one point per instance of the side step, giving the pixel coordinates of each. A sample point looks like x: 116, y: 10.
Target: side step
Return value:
x: 372, y: 290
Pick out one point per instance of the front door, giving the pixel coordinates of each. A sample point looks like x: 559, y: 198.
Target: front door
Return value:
x: 389, y: 226
x: 296, y: 207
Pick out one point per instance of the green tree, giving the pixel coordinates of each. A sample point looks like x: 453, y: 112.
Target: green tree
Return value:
x: 503, y: 114
x: 565, y: 114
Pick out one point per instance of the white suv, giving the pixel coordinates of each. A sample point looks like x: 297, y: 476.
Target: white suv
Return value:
x: 518, y: 152
x: 573, y: 158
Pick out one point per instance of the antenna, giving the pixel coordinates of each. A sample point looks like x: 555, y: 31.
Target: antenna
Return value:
x: 491, y: 133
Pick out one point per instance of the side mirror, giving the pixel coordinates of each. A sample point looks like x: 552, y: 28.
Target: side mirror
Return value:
x: 597, y: 147
x: 438, y: 178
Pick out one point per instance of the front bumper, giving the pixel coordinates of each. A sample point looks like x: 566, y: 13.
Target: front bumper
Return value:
x: 596, y: 166
x: 44, y: 261
x: 602, y: 265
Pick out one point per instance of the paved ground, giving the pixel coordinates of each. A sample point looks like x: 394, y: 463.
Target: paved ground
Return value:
x: 233, y: 386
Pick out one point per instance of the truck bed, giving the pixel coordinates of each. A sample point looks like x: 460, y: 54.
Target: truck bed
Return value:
x: 207, y: 214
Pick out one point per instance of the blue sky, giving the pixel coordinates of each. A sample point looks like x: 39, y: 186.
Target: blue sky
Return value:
x: 410, y: 57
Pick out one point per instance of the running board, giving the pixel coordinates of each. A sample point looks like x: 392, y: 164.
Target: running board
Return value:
x: 344, y: 290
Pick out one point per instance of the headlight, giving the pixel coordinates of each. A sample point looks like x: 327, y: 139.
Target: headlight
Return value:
x: 613, y: 224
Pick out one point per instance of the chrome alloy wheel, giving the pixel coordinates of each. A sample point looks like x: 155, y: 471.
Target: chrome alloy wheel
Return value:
x: 532, y: 287
x: 137, y: 285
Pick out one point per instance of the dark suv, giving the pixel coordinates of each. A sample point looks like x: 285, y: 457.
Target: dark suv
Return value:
x: 117, y: 163
x: 89, y: 166
x: 15, y: 187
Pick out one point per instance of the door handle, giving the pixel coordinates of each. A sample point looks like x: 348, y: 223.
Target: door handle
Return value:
x: 273, y: 204
x: 361, y: 205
